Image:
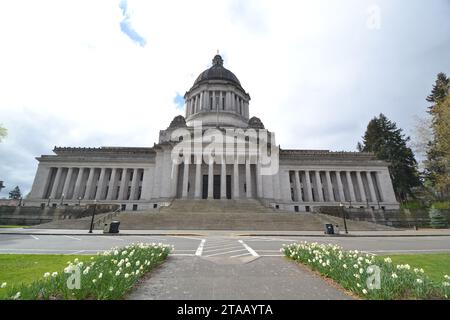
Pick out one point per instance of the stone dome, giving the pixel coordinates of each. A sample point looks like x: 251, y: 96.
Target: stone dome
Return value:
x: 217, y: 72
x: 178, y: 122
x: 255, y: 123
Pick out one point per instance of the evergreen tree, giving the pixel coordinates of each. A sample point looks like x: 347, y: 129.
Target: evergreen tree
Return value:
x: 437, y: 171
x: 15, y: 193
x: 387, y: 142
x: 3, y: 132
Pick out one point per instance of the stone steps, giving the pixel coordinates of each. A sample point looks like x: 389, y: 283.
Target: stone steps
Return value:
x: 219, y: 215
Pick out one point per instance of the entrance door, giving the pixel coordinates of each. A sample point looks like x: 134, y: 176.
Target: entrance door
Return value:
x: 216, y: 189
x: 205, y: 187
x: 229, y: 187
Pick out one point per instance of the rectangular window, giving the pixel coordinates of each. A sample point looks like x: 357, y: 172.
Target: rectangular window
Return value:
x: 223, y: 100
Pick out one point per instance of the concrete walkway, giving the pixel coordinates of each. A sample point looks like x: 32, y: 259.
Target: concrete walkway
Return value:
x: 193, y: 278
x: 200, y: 233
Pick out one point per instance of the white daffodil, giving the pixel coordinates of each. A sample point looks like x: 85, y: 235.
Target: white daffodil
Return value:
x: 54, y: 274
x: 94, y: 280
x: 364, y: 291
x: 361, y: 270
x: 358, y: 285
x: 419, y: 281
x: 344, y: 266
x: 394, y: 276
x: 3, y: 285
x: 111, y: 288
x: 117, y: 273
x: 128, y: 265
x: 16, y: 296
x: 388, y: 260
x: 100, y: 275
x: 47, y: 274
x: 126, y: 275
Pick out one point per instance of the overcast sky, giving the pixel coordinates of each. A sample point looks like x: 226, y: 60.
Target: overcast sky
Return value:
x: 110, y: 73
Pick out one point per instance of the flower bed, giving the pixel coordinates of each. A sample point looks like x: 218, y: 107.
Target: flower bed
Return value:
x: 109, y: 275
x: 367, y: 275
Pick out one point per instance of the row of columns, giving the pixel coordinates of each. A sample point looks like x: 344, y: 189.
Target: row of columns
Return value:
x: 105, y: 188
x: 327, y: 185
x: 207, y: 100
x: 223, y: 175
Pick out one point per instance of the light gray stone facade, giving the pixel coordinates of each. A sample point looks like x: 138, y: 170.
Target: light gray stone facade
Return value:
x: 147, y: 178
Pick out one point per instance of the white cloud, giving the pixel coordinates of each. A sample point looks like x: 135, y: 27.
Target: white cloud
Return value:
x: 316, y: 74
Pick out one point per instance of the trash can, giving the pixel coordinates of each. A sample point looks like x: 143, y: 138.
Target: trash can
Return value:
x: 329, y: 228
x: 106, y: 228
x: 114, y: 227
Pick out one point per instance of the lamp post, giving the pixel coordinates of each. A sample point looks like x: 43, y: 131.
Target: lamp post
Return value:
x: 79, y: 201
x: 62, y: 199
x: 343, y: 215
x: 93, y: 215
x: 48, y: 202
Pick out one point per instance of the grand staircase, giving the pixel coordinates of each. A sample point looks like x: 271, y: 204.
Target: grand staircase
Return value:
x: 214, y: 215
x: 231, y: 215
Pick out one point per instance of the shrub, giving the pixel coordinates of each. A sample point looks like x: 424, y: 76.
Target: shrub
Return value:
x: 107, y: 276
x: 360, y: 272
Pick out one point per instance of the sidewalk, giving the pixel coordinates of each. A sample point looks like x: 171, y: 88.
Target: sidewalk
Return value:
x: 202, y: 233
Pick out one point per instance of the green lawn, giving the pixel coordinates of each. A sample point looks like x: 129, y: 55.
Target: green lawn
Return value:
x: 13, y: 226
x: 25, y: 268
x: 435, y: 265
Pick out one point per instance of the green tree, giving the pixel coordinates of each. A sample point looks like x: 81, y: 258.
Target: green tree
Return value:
x: 15, y: 193
x: 387, y: 142
x: 3, y: 133
x: 437, y: 164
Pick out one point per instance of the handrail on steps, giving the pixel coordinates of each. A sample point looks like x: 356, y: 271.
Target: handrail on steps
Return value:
x: 106, y: 217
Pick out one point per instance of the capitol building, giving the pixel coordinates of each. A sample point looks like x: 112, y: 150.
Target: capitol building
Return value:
x: 193, y: 160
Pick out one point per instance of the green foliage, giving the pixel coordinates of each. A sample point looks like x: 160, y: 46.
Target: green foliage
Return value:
x: 387, y: 142
x: 108, y: 276
x: 3, y: 132
x: 438, y: 220
x: 437, y: 164
x: 352, y: 269
x: 15, y: 193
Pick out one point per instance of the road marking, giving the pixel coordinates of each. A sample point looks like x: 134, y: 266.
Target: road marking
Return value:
x: 207, y: 249
x: 252, y: 252
x: 240, y: 255
x: 70, y: 237
x: 34, y: 237
x: 200, y: 248
x: 77, y: 252
x: 190, y: 238
x: 115, y: 238
x: 183, y: 254
x: 222, y: 253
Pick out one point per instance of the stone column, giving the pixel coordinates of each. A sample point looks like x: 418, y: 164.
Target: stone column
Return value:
x: 211, y: 179
x: 198, y: 177
x: 340, y: 186
x: 123, y: 185
x: 56, y: 183
x: 361, y: 186
x: 76, y: 191
x: 329, y: 186
x: 185, y: 178
x: 174, y: 179
x: 298, y: 187
x: 111, y: 185
x: 350, y: 186
x: 134, y: 182
x: 236, y: 179
x: 319, y: 186
x: 67, y: 182
x: 373, y: 195
x: 259, y: 181
x: 248, y: 181
x: 101, y: 180
x: 223, y: 179
x: 308, y: 186
x: 89, y: 184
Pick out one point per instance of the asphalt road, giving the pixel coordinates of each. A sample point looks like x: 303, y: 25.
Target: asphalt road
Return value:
x: 215, y: 246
